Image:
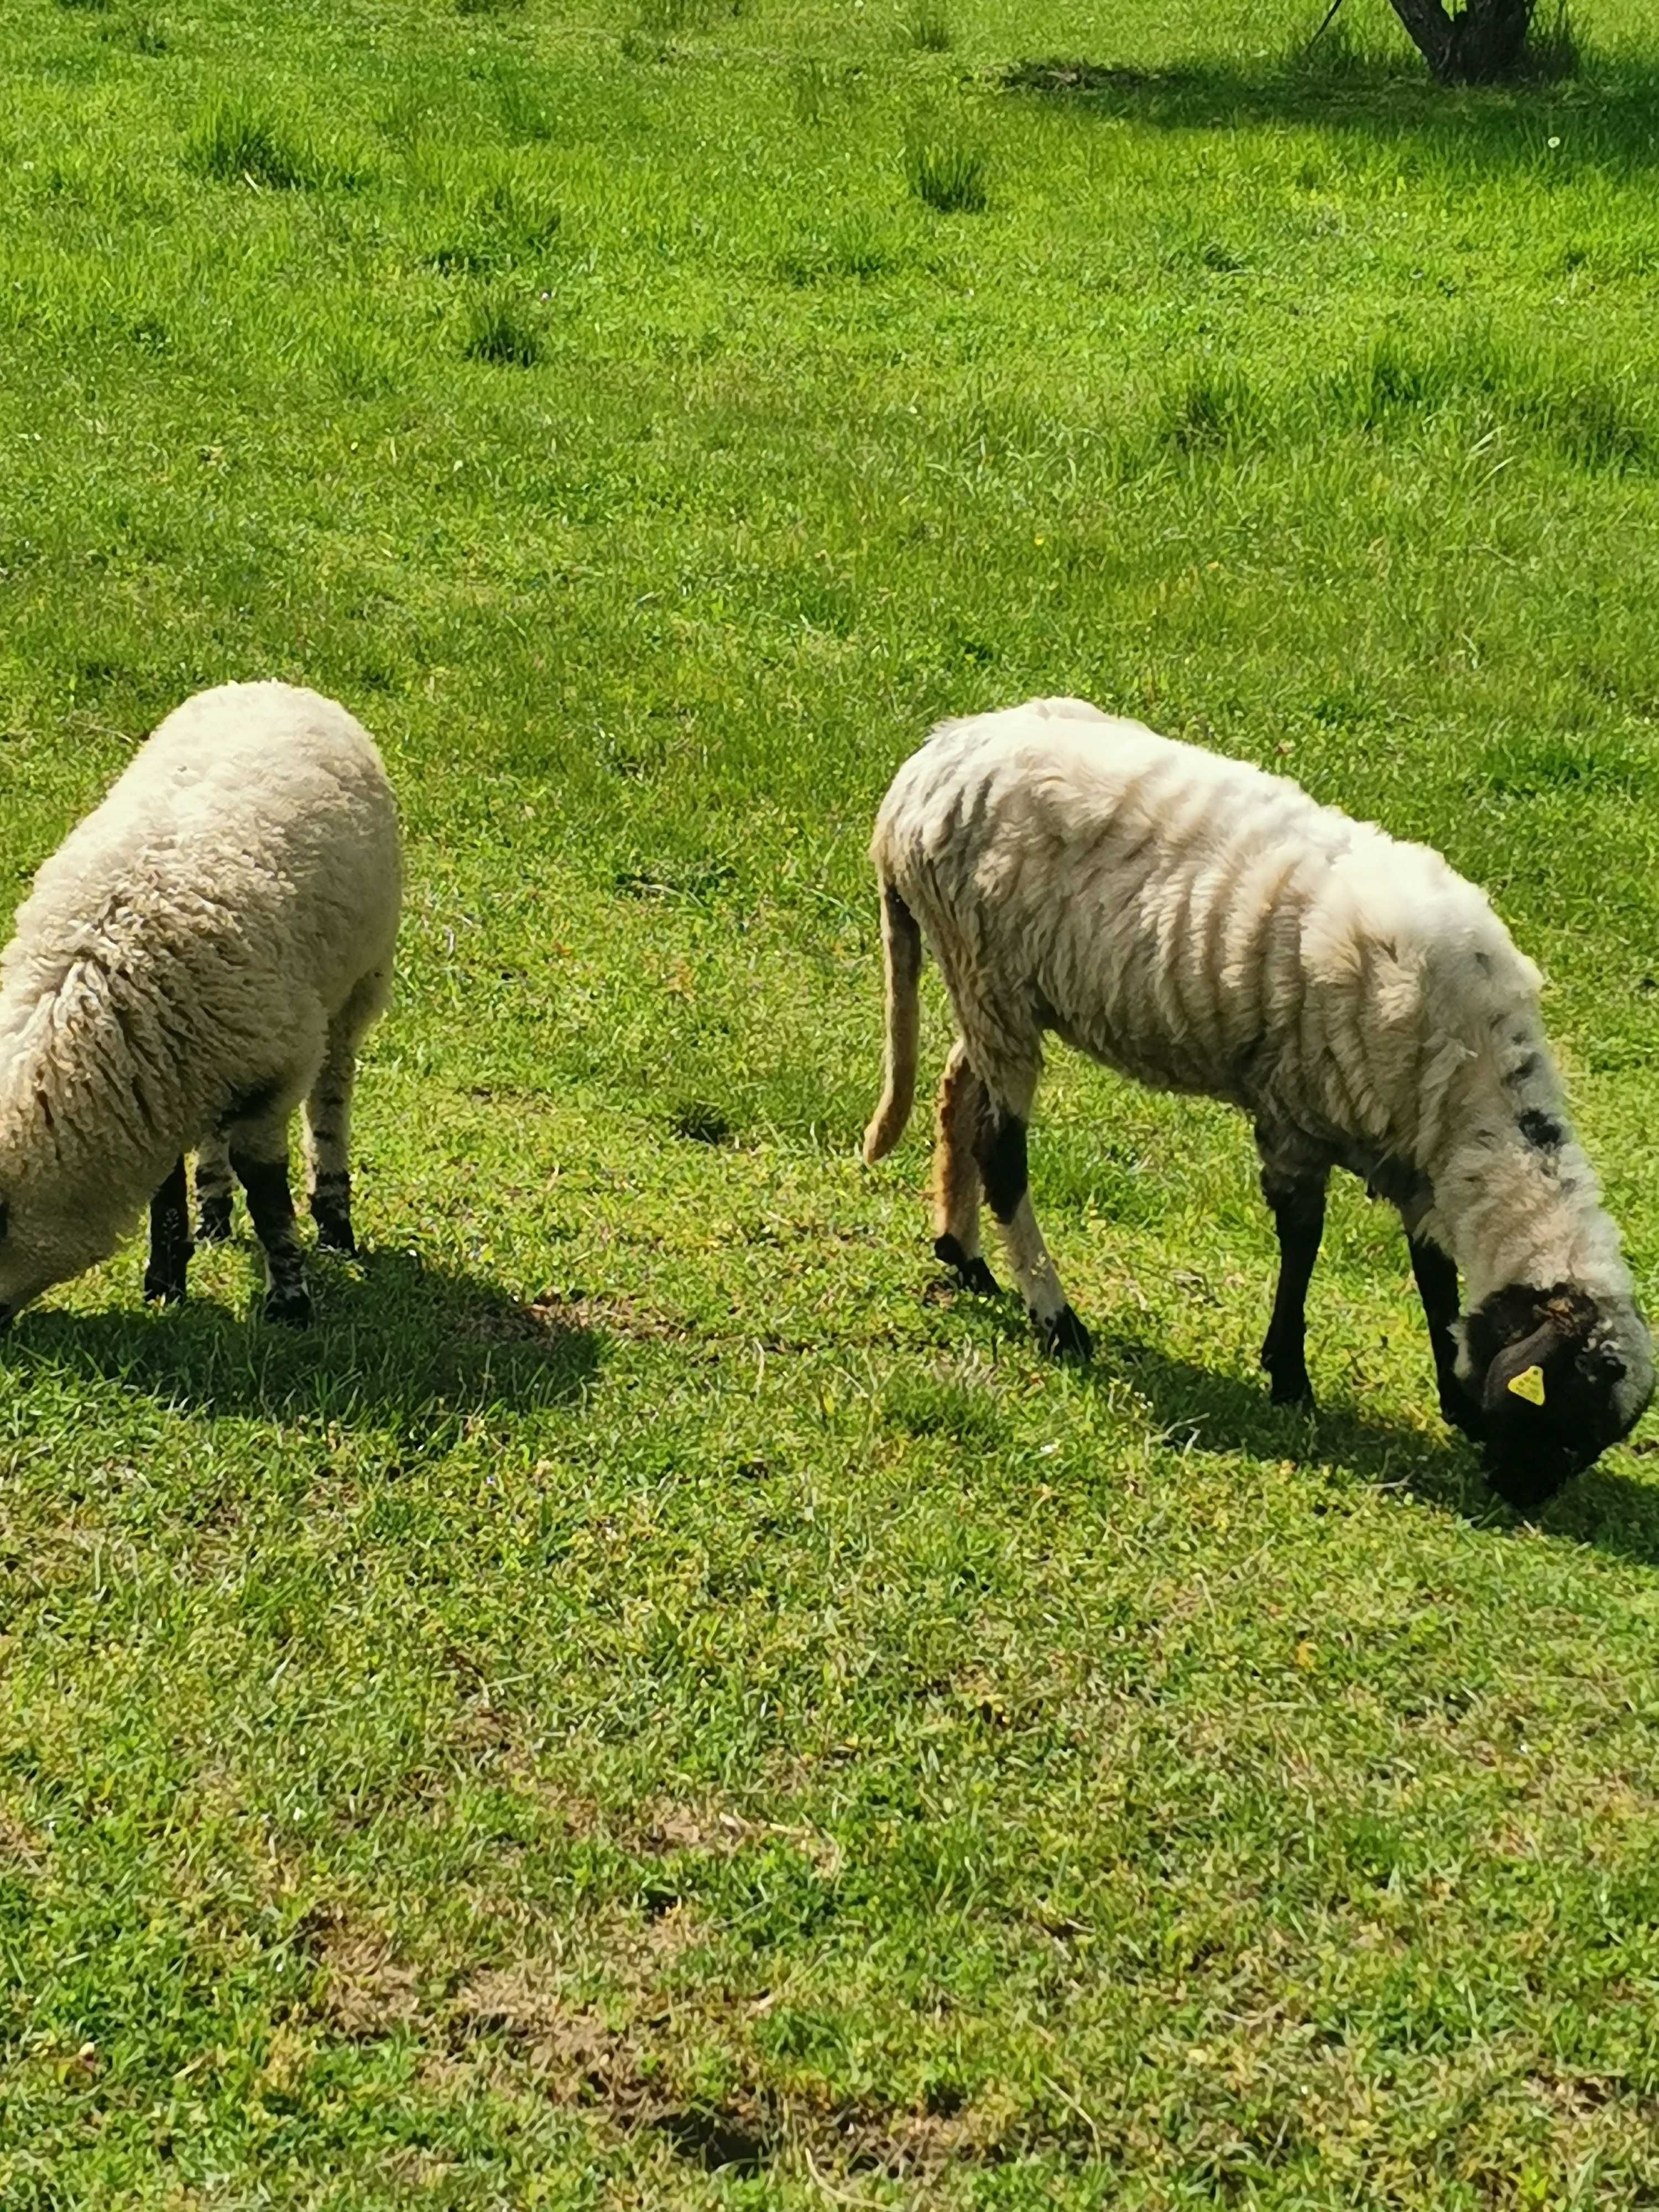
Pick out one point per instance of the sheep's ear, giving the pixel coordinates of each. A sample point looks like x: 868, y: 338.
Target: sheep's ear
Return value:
x: 1518, y: 1370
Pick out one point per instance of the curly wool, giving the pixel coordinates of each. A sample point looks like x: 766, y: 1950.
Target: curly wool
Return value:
x: 184, y: 951
x: 1205, y: 926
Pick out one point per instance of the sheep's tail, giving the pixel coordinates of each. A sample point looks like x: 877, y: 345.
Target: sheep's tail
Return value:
x: 901, y: 946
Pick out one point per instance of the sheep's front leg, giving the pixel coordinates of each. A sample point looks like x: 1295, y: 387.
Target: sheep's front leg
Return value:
x: 264, y: 1175
x: 1298, y: 1210
x: 1001, y: 1150
x: 956, y: 1190
x: 170, y: 1247
x: 1435, y: 1276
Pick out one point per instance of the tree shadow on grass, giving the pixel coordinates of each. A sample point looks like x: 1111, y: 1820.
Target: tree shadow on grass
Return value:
x: 1615, y: 123
x: 1603, y: 1508
x: 399, y: 1341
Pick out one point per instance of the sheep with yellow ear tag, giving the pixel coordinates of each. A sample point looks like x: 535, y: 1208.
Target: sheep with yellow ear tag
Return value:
x: 1203, y: 927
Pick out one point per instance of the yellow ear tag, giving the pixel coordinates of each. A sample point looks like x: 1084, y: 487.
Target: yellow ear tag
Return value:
x: 1528, y: 1384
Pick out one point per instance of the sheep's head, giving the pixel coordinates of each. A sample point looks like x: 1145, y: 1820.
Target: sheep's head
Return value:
x: 16, y: 1271
x: 39, y: 1246
x: 1558, y: 1375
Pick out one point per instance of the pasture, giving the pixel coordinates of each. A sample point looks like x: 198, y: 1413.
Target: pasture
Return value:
x: 654, y: 1701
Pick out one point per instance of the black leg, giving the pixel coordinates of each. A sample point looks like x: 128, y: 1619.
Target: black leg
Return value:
x: 1437, y: 1285
x: 170, y: 1247
x: 331, y: 1209
x: 328, y: 1129
x: 1001, y: 1151
x: 213, y: 1195
x: 271, y: 1206
x: 1003, y: 1165
x: 1298, y: 1211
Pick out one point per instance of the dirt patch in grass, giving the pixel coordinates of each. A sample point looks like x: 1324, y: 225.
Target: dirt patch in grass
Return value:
x: 558, y: 1314
x: 515, y: 2001
x: 1055, y: 74
x: 666, y: 1827
x: 631, y: 2076
x: 364, y: 1991
x: 635, y: 2063
x: 627, y: 2071
x: 20, y: 1845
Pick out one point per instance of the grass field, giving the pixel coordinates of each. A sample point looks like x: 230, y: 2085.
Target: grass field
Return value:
x: 652, y: 1701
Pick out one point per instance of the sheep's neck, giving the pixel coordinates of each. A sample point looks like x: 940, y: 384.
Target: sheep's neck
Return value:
x: 1517, y: 1212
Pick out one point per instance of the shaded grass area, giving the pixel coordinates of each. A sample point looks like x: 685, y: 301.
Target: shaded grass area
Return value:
x: 655, y: 1700
x: 1348, y: 90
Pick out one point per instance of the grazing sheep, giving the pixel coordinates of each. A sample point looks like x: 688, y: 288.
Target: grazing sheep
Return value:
x: 203, y: 952
x: 1204, y: 926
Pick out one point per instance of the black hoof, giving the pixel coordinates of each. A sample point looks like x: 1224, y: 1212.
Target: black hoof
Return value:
x: 1523, y: 1491
x: 972, y: 1274
x: 334, y: 1230
x: 163, y: 1290
x: 1063, y: 1336
x: 1287, y: 1376
x: 290, y: 1307
x: 1286, y: 1384
x: 213, y: 1225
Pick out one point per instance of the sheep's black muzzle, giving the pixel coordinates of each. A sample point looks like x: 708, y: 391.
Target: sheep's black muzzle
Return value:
x: 1528, y: 1481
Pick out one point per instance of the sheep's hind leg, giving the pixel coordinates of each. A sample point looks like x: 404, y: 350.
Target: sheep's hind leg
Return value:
x: 1298, y: 1205
x: 955, y: 1187
x: 170, y: 1247
x: 1001, y: 1150
x: 215, y: 1187
x: 259, y: 1157
x: 328, y: 1136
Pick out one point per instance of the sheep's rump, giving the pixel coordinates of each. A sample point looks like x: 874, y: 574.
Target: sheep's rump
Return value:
x: 1187, y: 918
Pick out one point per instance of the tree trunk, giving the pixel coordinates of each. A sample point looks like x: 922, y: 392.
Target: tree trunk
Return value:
x: 1484, y: 42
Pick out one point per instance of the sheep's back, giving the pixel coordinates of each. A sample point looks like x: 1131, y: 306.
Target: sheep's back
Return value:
x: 1189, y: 918
x: 251, y: 838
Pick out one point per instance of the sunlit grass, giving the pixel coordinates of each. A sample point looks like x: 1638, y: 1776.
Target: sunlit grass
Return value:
x: 653, y: 1701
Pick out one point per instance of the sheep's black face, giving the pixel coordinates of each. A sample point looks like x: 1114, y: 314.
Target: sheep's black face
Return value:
x: 1559, y: 1377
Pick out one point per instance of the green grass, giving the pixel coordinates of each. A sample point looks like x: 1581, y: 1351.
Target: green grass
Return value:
x: 652, y: 1702
x: 947, y: 174
x: 500, y: 332
x: 929, y: 29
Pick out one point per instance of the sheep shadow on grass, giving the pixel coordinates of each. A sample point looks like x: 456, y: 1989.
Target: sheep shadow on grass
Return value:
x: 399, y: 1341
x: 1603, y: 1508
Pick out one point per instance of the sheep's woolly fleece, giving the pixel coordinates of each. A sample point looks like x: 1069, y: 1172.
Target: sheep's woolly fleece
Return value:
x: 186, y: 947
x: 1205, y: 926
